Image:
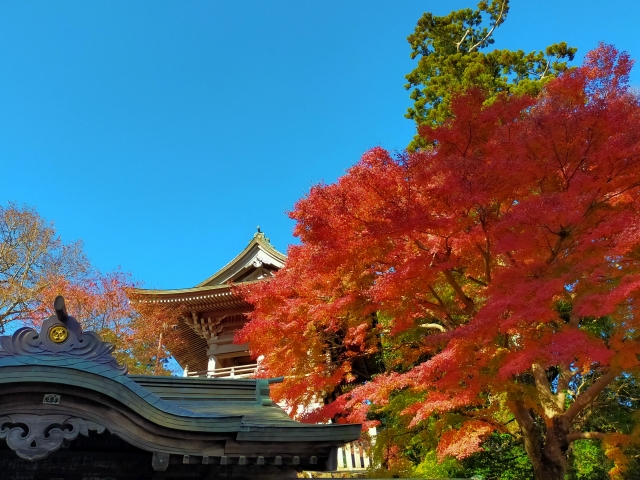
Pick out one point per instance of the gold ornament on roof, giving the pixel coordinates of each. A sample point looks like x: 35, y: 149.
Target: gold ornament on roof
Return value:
x: 58, y: 334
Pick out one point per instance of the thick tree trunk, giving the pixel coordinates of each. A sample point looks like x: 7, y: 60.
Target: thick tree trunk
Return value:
x: 551, y: 463
x: 545, y: 471
x: 548, y: 453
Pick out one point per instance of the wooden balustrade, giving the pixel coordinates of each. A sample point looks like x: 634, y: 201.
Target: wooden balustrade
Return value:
x: 356, y: 456
x: 239, y: 371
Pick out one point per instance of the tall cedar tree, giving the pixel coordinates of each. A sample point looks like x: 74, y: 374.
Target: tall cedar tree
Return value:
x: 451, y: 58
x: 500, y: 248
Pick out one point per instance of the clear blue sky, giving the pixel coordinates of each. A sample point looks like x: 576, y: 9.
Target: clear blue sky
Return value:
x: 161, y: 133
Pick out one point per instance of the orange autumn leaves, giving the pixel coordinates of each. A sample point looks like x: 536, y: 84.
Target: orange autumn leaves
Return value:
x: 100, y: 303
x: 36, y: 266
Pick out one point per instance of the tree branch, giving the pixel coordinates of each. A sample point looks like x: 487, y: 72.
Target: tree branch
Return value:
x: 550, y: 402
x: 572, y: 437
x: 557, y: 248
x: 443, y: 307
x: 468, y: 303
x: 529, y: 429
x: 590, y: 394
x: 497, y: 22
x: 462, y: 39
x: 574, y: 320
x: 563, y: 385
x: 433, y: 326
x: 469, y: 277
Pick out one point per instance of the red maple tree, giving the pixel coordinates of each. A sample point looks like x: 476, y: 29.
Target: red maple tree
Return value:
x: 504, y: 245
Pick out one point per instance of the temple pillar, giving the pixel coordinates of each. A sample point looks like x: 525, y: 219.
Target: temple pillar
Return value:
x: 213, y: 363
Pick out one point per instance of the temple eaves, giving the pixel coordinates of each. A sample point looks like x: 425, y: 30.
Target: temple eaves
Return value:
x: 258, y: 259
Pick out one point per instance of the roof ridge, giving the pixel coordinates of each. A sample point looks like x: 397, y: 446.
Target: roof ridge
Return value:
x: 259, y: 239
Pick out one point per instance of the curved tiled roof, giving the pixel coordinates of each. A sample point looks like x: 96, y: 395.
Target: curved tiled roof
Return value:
x: 259, y: 243
x: 182, y: 403
x: 215, y: 293
x: 200, y: 417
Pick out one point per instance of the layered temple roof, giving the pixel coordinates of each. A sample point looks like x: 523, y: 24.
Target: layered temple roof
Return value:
x: 258, y: 260
x: 61, y: 386
x: 214, y: 298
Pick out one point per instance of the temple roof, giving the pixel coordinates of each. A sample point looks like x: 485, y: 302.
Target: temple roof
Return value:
x: 259, y: 252
x: 215, y: 296
x: 236, y: 406
x: 196, y: 299
x: 257, y: 260
x: 61, y: 382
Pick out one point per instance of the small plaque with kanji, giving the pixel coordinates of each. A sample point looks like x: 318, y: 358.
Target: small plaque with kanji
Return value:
x: 51, y: 399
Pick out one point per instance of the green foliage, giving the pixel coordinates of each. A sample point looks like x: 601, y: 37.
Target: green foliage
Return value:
x: 403, y: 350
x: 397, y: 447
x: 615, y: 410
x: 451, y: 59
x: 411, y: 452
x: 431, y: 468
x: 503, y: 458
x: 588, y: 461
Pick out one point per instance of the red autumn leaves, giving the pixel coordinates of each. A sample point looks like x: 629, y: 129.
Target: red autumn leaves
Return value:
x: 520, y: 208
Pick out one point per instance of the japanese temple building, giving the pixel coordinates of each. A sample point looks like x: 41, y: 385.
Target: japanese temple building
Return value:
x: 69, y: 411
x: 210, y: 313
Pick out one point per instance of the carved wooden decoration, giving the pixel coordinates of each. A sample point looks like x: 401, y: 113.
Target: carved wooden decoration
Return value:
x: 60, y: 337
x: 34, y: 437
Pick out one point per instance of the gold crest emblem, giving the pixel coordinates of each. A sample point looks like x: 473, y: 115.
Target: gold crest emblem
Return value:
x: 58, y: 334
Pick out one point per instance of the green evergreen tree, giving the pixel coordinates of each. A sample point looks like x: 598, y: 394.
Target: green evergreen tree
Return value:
x: 454, y: 53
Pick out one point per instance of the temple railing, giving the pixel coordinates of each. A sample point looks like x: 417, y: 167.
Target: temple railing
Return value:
x: 356, y: 456
x: 353, y: 456
x: 239, y: 371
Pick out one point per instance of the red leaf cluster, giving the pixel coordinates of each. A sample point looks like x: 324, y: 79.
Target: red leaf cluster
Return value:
x: 465, y: 441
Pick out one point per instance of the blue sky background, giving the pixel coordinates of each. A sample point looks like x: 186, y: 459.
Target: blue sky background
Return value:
x: 161, y: 133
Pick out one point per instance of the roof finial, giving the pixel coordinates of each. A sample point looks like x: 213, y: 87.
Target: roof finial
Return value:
x: 259, y: 231
x: 61, y: 309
